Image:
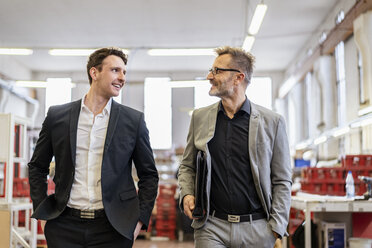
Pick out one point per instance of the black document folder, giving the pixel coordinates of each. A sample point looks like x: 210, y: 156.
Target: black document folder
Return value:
x: 200, y: 183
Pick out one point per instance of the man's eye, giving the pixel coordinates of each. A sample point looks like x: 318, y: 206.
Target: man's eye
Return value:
x: 115, y: 70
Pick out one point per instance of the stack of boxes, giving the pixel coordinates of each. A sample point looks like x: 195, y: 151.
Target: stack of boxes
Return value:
x: 331, y: 181
x: 166, y: 211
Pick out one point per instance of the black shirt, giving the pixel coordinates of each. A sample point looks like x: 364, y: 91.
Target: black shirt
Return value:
x: 232, y: 185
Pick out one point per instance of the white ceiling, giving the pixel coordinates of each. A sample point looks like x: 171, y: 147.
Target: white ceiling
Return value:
x: 142, y: 24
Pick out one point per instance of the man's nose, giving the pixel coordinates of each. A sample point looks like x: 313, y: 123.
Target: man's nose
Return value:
x: 210, y: 76
x: 121, y: 76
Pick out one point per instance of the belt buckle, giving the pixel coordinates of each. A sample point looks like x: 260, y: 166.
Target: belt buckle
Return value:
x: 233, y: 218
x: 87, y: 214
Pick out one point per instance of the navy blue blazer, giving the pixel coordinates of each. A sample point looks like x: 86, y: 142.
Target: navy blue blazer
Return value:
x: 127, y: 141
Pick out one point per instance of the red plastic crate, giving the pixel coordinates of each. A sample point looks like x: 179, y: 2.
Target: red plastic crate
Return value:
x: 167, y: 190
x: 160, y: 203
x: 166, y: 214
x: 165, y: 226
x: 336, y: 173
x: 21, y: 187
x: 357, y: 160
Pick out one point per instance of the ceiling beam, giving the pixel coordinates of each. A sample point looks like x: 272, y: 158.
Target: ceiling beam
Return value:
x: 339, y: 33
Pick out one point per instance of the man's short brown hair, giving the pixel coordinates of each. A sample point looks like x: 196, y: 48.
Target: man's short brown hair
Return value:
x: 96, y: 58
x: 244, y: 61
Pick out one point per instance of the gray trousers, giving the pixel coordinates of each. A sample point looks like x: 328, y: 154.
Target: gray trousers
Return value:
x: 217, y: 233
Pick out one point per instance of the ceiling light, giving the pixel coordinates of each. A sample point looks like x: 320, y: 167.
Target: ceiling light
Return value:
x: 362, y: 121
x: 37, y: 84
x: 185, y: 84
x: 364, y: 111
x: 75, y: 52
x: 71, y: 52
x: 356, y: 124
x: 341, y: 131
x: 257, y: 19
x: 366, y: 122
x: 182, y: 52
x: 31, y: 84
x: 320, y: 140
x: 303, y: 144
x: 248, y: 43
x: 15, y: 51
x: 322, y: 37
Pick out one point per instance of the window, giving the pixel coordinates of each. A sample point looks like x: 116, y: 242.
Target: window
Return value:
x: 158, y: 112
x: 260, y: 91
x: 341, y: 83
x: 362, y: 98
x: 58, y: 91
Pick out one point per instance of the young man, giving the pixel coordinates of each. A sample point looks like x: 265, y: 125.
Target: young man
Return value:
x: 248, y: 186
x: 94, y: 141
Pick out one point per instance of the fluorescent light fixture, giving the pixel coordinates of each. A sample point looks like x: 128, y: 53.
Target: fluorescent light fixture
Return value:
x: 302, y: 145
x: 248, y: 43
x: 35, y: 84
x: 366, y: 122
x: 257, y: 19
x: 182, y: 52
x: 341, y: 131
x: 355, y: 124
x: 15, y: 51
x: 71, y: 52
x: 76, y: 52
x: 320, y: 140
x: 286, y: 87
x: 322, y: 37
x: 362, y: 121
x: 185, y: 84
x: 364, y: 111
x: 31, y: 84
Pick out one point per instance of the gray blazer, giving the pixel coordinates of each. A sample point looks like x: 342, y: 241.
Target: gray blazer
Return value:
x: 269, y: 158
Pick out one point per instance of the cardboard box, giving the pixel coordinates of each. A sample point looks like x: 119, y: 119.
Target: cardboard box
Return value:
x: 333, y: 235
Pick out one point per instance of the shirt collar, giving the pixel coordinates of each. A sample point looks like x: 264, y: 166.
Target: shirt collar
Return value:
x: 246, y: 107
x: 106, y: 110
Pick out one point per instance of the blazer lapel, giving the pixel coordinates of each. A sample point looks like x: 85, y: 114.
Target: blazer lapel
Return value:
x: 74, y: 117
x: 212, y: 118
x: 252, y: 143
x: 253, y: 132
x: 114, y: 116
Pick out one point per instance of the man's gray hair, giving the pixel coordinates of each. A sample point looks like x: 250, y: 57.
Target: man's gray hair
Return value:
x: 244, y: 61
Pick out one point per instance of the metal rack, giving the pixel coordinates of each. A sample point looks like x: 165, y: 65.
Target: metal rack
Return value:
x: 13, y: 133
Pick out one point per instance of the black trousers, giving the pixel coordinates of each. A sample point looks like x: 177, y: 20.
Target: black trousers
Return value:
x: 74, y: 232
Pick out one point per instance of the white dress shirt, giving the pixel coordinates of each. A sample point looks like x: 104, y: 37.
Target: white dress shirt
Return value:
x: 86, y: 190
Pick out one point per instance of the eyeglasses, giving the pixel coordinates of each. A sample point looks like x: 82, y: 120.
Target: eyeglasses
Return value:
x: 217, y: 70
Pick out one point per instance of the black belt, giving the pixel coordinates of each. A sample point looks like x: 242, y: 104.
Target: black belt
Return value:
x: 85, y: 214
x: 238, y: 218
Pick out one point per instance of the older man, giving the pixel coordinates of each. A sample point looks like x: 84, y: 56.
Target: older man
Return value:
x: 248, y: 186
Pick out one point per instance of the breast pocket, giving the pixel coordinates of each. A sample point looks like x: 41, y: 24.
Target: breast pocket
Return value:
x: 127, y: 195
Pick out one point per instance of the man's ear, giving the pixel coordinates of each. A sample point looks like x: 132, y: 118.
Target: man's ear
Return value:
x: 240, y: 78
x: 93, y: 73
